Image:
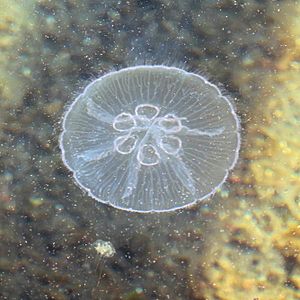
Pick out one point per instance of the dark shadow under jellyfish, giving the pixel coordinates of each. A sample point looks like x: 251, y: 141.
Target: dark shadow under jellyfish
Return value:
x: 150, y: 138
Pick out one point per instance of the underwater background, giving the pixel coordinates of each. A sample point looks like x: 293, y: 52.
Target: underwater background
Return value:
x: 244, y: 243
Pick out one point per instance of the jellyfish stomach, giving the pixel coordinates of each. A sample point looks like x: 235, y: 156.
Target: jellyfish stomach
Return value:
x: 152, y: 138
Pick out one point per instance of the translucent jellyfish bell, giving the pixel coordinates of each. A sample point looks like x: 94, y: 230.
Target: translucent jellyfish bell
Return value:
x: 150, y: 138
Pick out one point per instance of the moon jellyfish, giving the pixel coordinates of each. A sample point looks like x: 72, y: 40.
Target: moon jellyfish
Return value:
x: 150, y: 138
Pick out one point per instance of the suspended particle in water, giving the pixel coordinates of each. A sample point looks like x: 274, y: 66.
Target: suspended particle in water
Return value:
x: 150, y: 138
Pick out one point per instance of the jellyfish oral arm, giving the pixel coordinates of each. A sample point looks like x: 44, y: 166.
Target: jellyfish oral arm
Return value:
x: 211, y: 132
x: 183, y: 174
x: 132, y: 178
x: 96, y: 154
x: 94, y: 110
